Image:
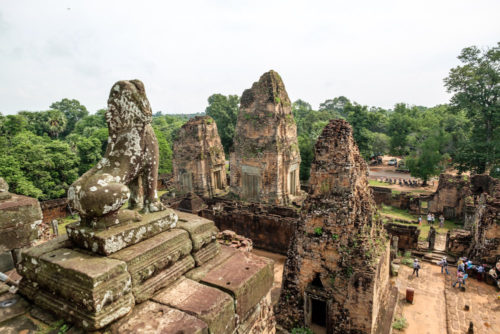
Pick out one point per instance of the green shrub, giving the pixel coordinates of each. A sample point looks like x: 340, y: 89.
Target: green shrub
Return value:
x: 318, y: 231
x: 400, y: 323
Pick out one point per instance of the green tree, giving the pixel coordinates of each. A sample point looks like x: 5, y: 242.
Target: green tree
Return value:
x: 11, y: 125
x: 54, y: 122
x: 38, y: 166
x: 336, y: 106
x: 166, y: 128
x: 73, y: 110
x: 426, y: 161
x: 88, y: 149
x: 224, y: 110
x: 401, y: 124
x: 476, y: 88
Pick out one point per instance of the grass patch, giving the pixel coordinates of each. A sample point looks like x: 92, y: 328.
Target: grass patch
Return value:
x: 377, y: 183
x: 61, y: 227
x: 396, y: 213
x: 424, y: 228
x: 58, y: 327
x: 400, y: 323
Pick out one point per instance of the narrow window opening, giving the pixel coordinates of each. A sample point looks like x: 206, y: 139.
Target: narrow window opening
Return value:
x: 317, y: 281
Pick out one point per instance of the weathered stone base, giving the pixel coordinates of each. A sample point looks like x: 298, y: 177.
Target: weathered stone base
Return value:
x: 206, y: 253
x: 74, y: 313
x: 163, y: 279
x: 245, y: 276
x: 260, y: 320
x: 151, y: 318
x: 19, y: 220
x: 231, y: 296
x: 111, y: 240
x: 89, y: 282
x: 226, y: 293
x: 211, y: 305
x: 150, y: 256
x: 201, y: 230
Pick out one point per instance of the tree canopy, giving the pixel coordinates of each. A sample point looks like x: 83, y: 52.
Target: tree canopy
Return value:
x: 476, y: 88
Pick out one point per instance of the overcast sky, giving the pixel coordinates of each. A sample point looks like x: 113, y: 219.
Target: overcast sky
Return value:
x: 377, y: 53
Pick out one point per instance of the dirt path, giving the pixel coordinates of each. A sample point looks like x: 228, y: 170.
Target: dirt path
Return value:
x: 483, y: 303
x: 427, y: 314
x: 440, y: 308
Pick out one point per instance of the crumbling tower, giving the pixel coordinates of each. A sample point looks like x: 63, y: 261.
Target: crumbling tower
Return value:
x: 198, y: 159
x: 337, y: 271
x: 265, y: 162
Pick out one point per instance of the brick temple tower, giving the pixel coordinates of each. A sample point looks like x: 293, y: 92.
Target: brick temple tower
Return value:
x: 265, y: 162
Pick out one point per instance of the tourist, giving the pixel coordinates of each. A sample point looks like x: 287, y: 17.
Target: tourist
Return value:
x: 433, y: 219
x: 441, y: 221
x: 416, y: 267
x: 429, y: 218
x: 444, y: 265
x: 464, y: 278
x: 480, y: 272
x: 461, y: 266
x: 460, y: 279
x: 420, y: 220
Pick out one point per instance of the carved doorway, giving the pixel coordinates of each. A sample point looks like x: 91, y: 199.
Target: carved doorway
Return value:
x: 293, y: 182
x: 186, y: 182
x: 250, y: 186
x: 318, y: 312
x: 217, y: 180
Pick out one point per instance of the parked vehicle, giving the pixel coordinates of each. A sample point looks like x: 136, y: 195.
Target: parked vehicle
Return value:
x: 393, y: 162
x: 402, y: 167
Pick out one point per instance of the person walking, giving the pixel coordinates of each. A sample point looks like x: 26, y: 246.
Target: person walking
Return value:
x: 420, y: 220
x: 416, y: 267
x: 444, y: 265
x: 441, y: 221
x: 460, y: 279
x: 433, y: 219
x: 429, y: 218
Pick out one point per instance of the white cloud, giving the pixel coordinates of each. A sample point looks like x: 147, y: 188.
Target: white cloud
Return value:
x: 374, y: 52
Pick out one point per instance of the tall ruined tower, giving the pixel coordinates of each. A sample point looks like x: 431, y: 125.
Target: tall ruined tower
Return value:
x: 265, y: 162
x: 337, y: 270
x: 198, y: 159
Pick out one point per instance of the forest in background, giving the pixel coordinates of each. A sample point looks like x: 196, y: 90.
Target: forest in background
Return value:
x: 43, y: 152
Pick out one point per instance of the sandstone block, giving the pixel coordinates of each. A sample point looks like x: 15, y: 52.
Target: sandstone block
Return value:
x: 6, y: 261
x: 18, y: 306
x: 164, y: 278
x: 72, y: 312
x: 111, y: 240
x: 247, y: 277
x: 91, y: 282
x: 199, y: 272
x: 152, y: 318
x: 148, y: 257
x: 19, y: 220
x: 202, y: 231
x: 211, y: 305
x: 206, y: 253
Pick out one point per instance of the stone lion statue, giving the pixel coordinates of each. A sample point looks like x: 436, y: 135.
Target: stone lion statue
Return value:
x: 128, y: 170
